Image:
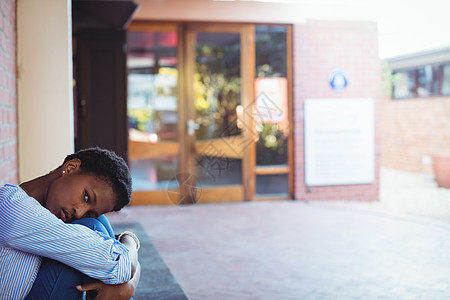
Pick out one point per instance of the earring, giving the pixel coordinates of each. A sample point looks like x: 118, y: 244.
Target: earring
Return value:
x: 64, y: 172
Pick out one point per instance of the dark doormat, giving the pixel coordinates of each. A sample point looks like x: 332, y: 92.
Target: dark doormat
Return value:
x: 157, y: 282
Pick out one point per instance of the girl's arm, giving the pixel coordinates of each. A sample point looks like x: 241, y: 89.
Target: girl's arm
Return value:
x: 120, y: 291
x: 27, y: 226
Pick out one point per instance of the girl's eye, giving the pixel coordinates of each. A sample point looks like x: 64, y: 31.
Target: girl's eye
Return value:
x: 86, y: 197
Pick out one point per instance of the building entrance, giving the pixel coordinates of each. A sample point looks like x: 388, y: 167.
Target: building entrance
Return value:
x: 195, y: 121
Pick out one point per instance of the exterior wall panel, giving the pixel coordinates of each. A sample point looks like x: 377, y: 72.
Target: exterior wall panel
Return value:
x: 319, y: 48
x: 8, y: 93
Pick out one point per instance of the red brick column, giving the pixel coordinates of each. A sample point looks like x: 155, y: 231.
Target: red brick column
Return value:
x: 319, y: 48
x: 8, y: 93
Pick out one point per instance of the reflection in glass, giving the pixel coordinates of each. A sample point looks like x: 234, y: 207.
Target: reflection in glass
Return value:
x: 217, y: 84
x: 272, y: 185
x: 217, y: 87
x: 404, y: 84
x: 427, y: 80
x: 271, y: 62
x: 445, y: 88
x: 214, y: 171
x: 271, y: 49
x: 152, y: 107
x: 154, y: 174
x: 272, y: 146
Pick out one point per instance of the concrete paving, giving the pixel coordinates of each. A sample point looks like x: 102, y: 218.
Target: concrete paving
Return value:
x: 298, y: 250
x: 412, y: 194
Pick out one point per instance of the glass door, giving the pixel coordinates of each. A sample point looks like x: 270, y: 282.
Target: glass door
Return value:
x: 187, y: 89
x: 209, y: 115
x: 218, y: 66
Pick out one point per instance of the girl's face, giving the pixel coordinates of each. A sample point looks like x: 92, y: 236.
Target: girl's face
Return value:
x: 76, y: 195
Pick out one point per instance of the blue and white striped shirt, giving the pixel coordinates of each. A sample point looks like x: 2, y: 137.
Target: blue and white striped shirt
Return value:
x: 28, y: 231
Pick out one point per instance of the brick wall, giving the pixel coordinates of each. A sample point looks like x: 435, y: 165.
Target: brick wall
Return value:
x: 413, y: 129
x: 319, y: 48
x: 8, y: 96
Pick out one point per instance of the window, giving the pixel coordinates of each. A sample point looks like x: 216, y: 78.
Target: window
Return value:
x: 404, y: 84
x: 152, y: 108
x: 423, y: 81
x: 445, y: 85
x: 427, y: 79
x: 271, y: 90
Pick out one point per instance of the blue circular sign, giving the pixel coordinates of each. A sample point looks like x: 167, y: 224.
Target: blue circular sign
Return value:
x: 338, y: 80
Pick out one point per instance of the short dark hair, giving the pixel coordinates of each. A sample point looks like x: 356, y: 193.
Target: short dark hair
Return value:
x: 108, y: 166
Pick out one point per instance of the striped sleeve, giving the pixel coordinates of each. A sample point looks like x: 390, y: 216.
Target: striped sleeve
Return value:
x: 27, y: 226
x: 18, y: 272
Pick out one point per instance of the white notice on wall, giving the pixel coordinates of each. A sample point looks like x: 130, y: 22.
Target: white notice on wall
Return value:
x: 339, y: 141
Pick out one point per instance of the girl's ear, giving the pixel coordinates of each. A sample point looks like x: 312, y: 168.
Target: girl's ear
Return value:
x: 71, y: 166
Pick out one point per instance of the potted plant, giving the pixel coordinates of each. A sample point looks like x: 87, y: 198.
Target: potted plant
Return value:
x: 441, y: 168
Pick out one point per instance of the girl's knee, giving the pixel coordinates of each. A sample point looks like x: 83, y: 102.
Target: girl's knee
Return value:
x: 93, y: 224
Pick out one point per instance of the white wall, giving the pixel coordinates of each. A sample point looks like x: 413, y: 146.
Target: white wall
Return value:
x: 45, y: 104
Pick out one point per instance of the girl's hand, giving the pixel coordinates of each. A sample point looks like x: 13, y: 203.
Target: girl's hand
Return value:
x: 124, y: 291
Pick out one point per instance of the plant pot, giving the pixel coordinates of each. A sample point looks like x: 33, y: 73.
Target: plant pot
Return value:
x: 441, y: 168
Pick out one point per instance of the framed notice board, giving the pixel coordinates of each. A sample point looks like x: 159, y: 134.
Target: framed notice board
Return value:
x: 339, y: 141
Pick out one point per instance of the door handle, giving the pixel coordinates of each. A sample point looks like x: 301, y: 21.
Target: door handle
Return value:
x: 192, y: 127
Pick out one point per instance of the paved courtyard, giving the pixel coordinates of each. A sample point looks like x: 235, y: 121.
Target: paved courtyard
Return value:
x: 315, y: 250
